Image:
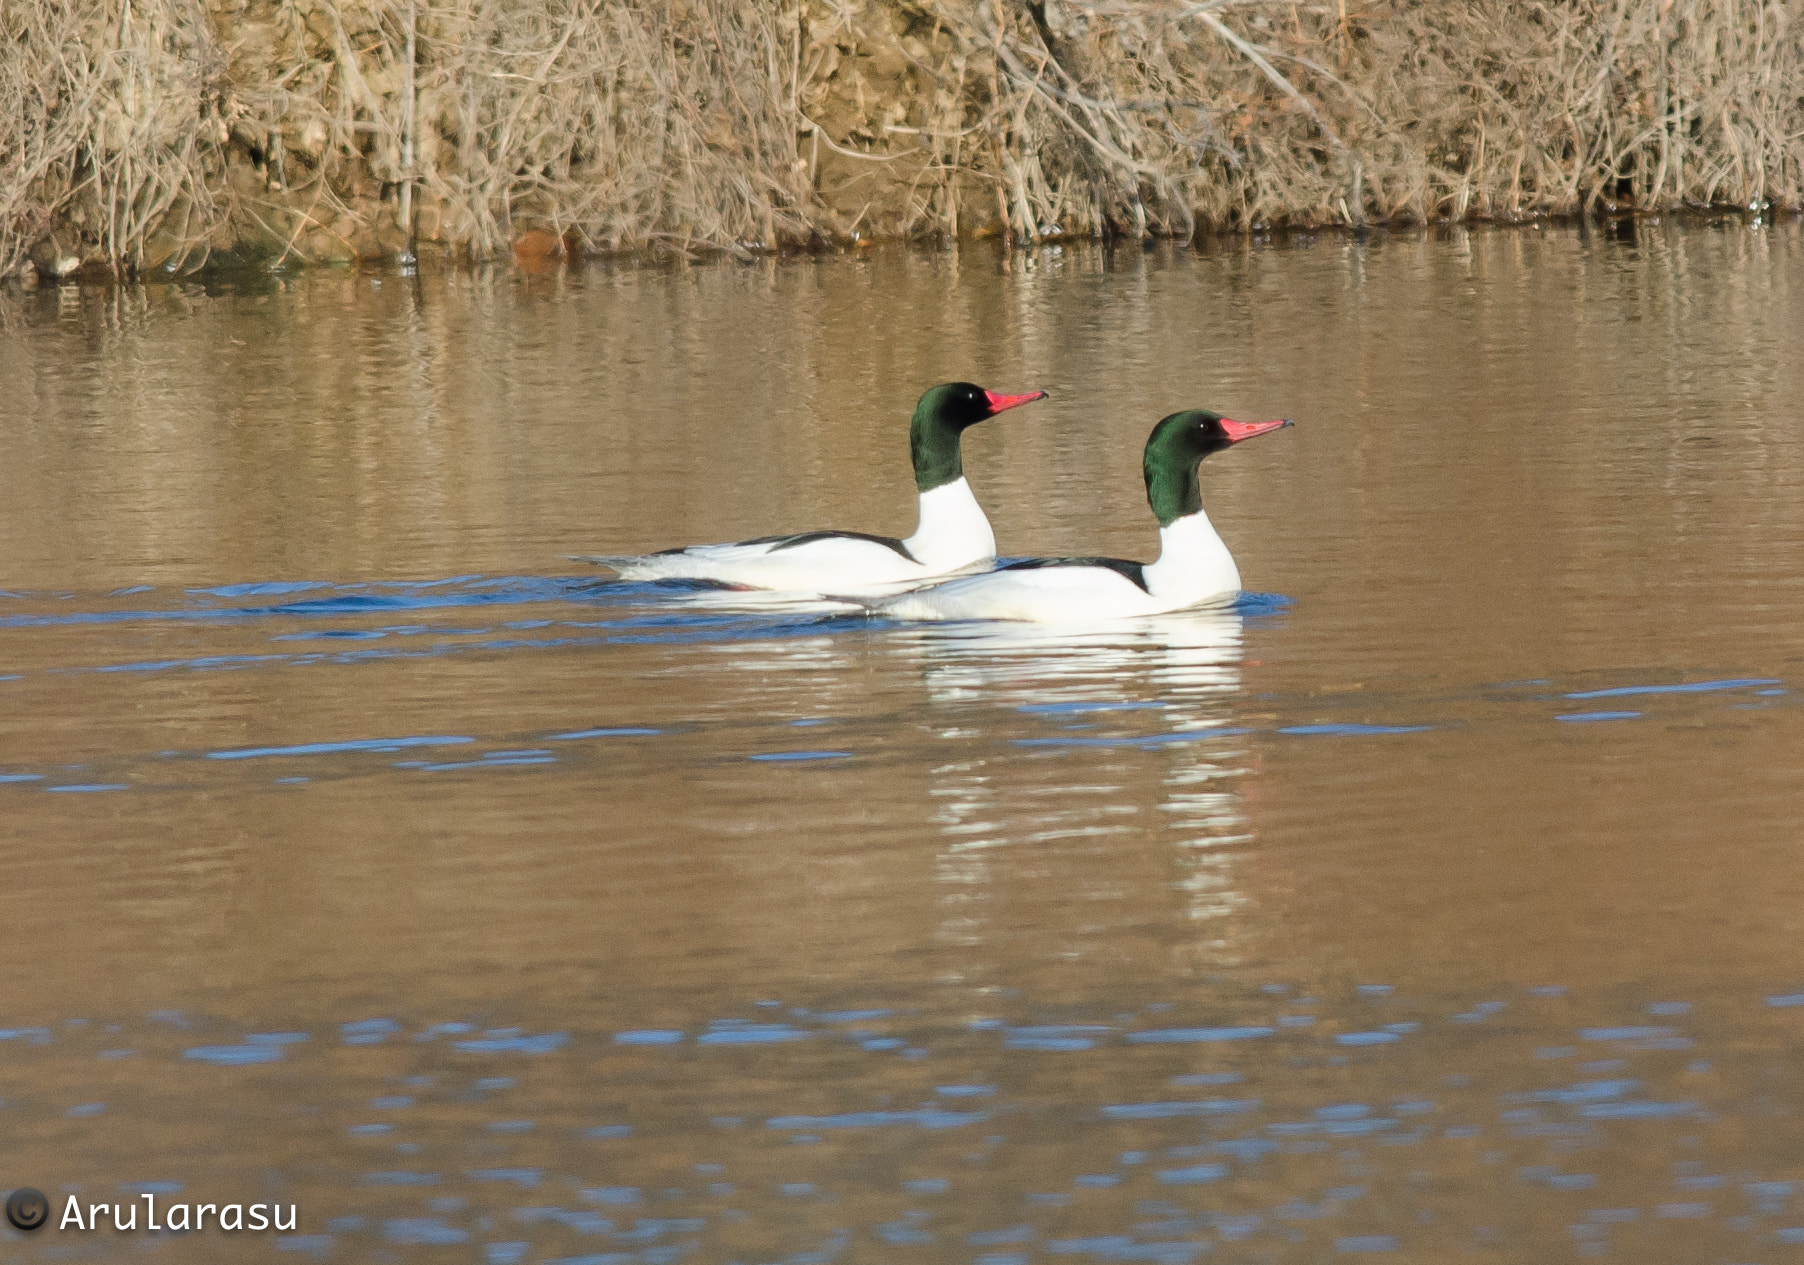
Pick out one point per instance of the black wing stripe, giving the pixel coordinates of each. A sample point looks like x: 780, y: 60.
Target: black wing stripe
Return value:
x: 1135, y: 572
x: 780, y: 543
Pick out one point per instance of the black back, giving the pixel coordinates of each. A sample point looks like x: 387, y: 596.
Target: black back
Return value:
x: 1132, y: 571
x: 780, y: 543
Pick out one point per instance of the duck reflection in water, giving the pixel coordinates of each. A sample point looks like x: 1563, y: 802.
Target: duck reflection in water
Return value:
x: 1118, y: 779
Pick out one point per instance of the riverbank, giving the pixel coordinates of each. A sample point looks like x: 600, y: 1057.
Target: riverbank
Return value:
x: 176, y: 134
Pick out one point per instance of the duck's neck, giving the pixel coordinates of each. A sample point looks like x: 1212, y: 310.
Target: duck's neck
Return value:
x: 1193, y: 562
x: 953, y: 530
x: 1171, y: 487
x: 933, y: 446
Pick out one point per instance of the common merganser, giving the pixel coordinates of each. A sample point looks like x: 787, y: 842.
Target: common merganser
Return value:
x: 1194, y: 565
x: 952, y: 535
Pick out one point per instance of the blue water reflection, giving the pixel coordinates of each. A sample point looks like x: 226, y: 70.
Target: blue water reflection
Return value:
x: 1131, y: 1176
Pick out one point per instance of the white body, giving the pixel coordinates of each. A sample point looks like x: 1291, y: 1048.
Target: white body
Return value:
x: 953, y: 536
x: 1194, y: 568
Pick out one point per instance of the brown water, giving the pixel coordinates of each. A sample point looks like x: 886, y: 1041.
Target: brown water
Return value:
x: 361, y: 852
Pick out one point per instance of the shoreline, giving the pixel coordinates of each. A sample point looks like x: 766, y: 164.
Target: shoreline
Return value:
x: 160, y: 135
x: 1620, y: 226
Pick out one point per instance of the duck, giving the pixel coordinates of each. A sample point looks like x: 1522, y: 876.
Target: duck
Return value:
x: 1194, y: 567
x: 952, y: 536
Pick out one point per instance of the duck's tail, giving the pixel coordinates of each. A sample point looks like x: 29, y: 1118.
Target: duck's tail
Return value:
x: 864, y: 603
x: 652, y: 566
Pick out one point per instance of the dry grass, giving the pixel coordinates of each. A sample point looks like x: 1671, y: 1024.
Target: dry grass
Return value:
x: 105, y: 125
x: 155, y: 133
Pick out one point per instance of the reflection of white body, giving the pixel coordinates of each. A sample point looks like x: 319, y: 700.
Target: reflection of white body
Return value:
x: 1129, y: 712
x: 953, y: 536
x: 1185, y: 657
x: 1194, y: 568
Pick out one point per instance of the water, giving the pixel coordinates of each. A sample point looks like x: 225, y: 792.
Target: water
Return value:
x: 362, y: 853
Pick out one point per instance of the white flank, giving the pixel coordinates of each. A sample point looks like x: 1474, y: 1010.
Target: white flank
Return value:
x: 953, y: 536
x: 1194, y: 568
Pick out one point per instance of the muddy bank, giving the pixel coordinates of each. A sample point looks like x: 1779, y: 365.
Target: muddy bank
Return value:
x: 140, y: 135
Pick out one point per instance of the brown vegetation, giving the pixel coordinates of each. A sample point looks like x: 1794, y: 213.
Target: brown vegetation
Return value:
x: 165, y: 133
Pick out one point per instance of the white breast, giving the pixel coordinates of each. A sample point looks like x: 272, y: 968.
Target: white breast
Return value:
x: 1194, y: 565
x: 953, y: 531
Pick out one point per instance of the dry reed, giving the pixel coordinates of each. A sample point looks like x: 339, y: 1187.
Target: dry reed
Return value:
x: 158, y: 133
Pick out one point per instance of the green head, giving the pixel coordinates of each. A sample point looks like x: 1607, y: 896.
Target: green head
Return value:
x: 1175, y: 448
x: 941, y: 416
